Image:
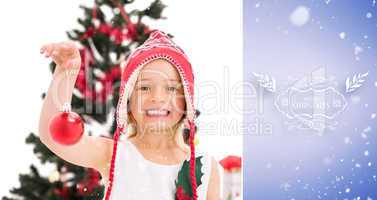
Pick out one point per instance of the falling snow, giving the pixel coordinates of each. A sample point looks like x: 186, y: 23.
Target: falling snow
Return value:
x: 367, y: 129
x: 341, y: 183
x: 347, y: 140
x: 358, y: 50
x: 373, y: 115
x: 300, y: 16
x: 368, y: 15
x: 342, y: 35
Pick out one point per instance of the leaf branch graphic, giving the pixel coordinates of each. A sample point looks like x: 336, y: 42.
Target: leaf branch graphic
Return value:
x: 355, y: 82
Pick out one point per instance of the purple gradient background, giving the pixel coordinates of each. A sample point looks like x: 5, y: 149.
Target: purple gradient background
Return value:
x: 297, y: 164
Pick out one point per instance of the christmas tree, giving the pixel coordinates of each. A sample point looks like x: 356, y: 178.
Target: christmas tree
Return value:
x: 105, y: 41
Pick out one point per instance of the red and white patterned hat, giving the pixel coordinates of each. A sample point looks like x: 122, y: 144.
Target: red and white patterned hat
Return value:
x: 158, y: 46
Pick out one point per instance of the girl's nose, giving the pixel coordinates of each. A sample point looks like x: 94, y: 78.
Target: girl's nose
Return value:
x: 159, y: 94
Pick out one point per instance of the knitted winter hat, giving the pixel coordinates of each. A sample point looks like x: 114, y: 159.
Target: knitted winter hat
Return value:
x: 158, y: 46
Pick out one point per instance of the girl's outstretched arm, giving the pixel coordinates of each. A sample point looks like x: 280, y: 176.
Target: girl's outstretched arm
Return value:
x: 90, y: 151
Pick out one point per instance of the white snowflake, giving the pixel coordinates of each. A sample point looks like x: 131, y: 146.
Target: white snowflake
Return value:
x: 373, y: 115
x: 300, y: 16
x: 342, y: 35
x: 285, y: 186
x: 358, y: 50
x: 369, y: 15
x: 367, y: 129
x: 347, y: 140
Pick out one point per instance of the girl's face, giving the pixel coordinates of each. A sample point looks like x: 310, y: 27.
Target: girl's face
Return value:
x: 157, y: 102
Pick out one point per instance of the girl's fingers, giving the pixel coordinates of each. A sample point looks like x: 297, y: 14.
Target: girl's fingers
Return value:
x: 46, y: 49
x: 46, y: 53
x: 54, y: 53
x: 65, y: 46
x: 42, y: 49
x: 55, y: 58
x: 51, y: 48
x: 61, y: 53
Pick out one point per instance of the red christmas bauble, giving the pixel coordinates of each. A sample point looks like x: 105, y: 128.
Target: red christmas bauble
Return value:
x: 66, y: 127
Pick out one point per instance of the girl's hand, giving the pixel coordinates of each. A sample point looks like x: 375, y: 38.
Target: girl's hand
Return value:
x: 66, y: 55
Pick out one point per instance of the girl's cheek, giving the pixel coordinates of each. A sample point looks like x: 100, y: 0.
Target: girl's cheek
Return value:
x: 136, y: 106
x: 179, y: 105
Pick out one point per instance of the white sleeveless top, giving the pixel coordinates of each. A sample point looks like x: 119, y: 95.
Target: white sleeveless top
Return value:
x: 136, y: 178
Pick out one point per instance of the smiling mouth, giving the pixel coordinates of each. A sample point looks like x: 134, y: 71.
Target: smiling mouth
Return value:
x: 157, y: 113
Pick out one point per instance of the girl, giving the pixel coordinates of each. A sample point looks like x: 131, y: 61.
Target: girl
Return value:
x: 149, y: 157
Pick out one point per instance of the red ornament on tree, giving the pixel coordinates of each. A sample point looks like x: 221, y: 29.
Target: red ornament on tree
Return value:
x: 89, y: 183
x: 66, y: 127
x: 62, y: 192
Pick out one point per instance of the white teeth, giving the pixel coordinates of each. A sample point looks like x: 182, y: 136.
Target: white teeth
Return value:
x: 157, y: 112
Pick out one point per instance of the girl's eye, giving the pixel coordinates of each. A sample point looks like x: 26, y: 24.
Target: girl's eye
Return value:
x: 144, y: 88
x: 172, y: 88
